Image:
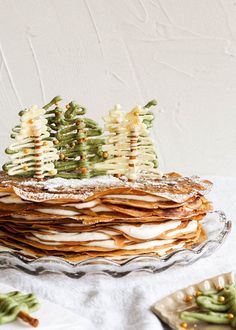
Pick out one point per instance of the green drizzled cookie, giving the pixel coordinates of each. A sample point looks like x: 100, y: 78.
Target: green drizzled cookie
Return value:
x: 216, y: 307
x: 78, y: 145
x: 12, y: 303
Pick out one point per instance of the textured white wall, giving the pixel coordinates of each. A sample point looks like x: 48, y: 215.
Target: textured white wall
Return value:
x: 101, y: 52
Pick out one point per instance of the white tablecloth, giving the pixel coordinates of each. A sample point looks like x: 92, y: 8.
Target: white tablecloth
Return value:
x: 125, y: 303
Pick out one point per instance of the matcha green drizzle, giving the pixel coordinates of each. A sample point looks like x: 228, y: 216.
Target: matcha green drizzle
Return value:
x: 74, y: 137
x: 13, y: 302
x: 149, y: 117
x: 54, y: 115
x: 76, y: 140
x: 212, y: 310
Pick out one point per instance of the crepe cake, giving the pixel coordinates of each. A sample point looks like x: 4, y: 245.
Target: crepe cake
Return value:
x: 102, y: 216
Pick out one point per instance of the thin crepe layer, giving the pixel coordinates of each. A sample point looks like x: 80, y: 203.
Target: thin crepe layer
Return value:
x: 33, y: 252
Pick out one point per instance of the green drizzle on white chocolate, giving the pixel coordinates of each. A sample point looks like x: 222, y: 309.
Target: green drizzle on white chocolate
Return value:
x: 12, y: 303
x: 129, y: 149
x: 53, y: 141
x: 31, y: 153
x: 75, y: 137
x: 215, y: 307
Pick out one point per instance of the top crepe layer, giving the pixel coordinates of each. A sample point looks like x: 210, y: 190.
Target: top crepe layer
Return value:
x: 171, y: 186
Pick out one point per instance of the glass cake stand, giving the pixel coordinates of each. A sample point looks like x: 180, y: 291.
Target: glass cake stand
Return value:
x: 217, y: 227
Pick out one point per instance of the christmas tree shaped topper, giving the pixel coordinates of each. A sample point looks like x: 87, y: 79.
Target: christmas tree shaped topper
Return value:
x: 54, y: 141
x: 77, y: 143
x: 214, y: 307
x: 115, y: 143
x: 142, y: 155
x: 16, y: 304
x: 32, y: 153
x: 128, y: 147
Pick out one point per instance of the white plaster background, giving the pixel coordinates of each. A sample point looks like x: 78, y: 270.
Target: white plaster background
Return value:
x: 101, y: 52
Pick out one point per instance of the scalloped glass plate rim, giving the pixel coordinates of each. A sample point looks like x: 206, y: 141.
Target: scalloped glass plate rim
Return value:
x: 10, y: 259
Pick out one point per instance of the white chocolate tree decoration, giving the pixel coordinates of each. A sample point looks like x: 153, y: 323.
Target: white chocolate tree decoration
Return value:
x: 55, y: 142
x: 128, y: 146
x: 141, y: 154
x: 114, y: 150
x: 32, y: 153
x: 134, y: 127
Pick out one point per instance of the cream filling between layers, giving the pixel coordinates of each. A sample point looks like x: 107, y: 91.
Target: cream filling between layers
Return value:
x: 148, y: 231
x: 58, y: 211
x: 101, y: 209
x: 85, y: 205
x: 73, y: 237
x: 110, y: 244
x: 191, y: 227
x: 142, y: 232
x: 70, y: 212
x: 12, y: 199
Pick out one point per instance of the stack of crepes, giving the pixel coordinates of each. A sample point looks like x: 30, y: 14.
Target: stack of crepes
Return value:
x: 101, y: 217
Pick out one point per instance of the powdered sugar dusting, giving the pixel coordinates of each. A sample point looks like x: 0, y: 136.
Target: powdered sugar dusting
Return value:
x: 46, y: 196
x: 60, y: 184
x: 177, y: 189
x: 170, y: 187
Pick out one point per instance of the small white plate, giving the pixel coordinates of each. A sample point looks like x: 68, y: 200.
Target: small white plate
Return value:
x: 168, y: 308
x: 51, y: 317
